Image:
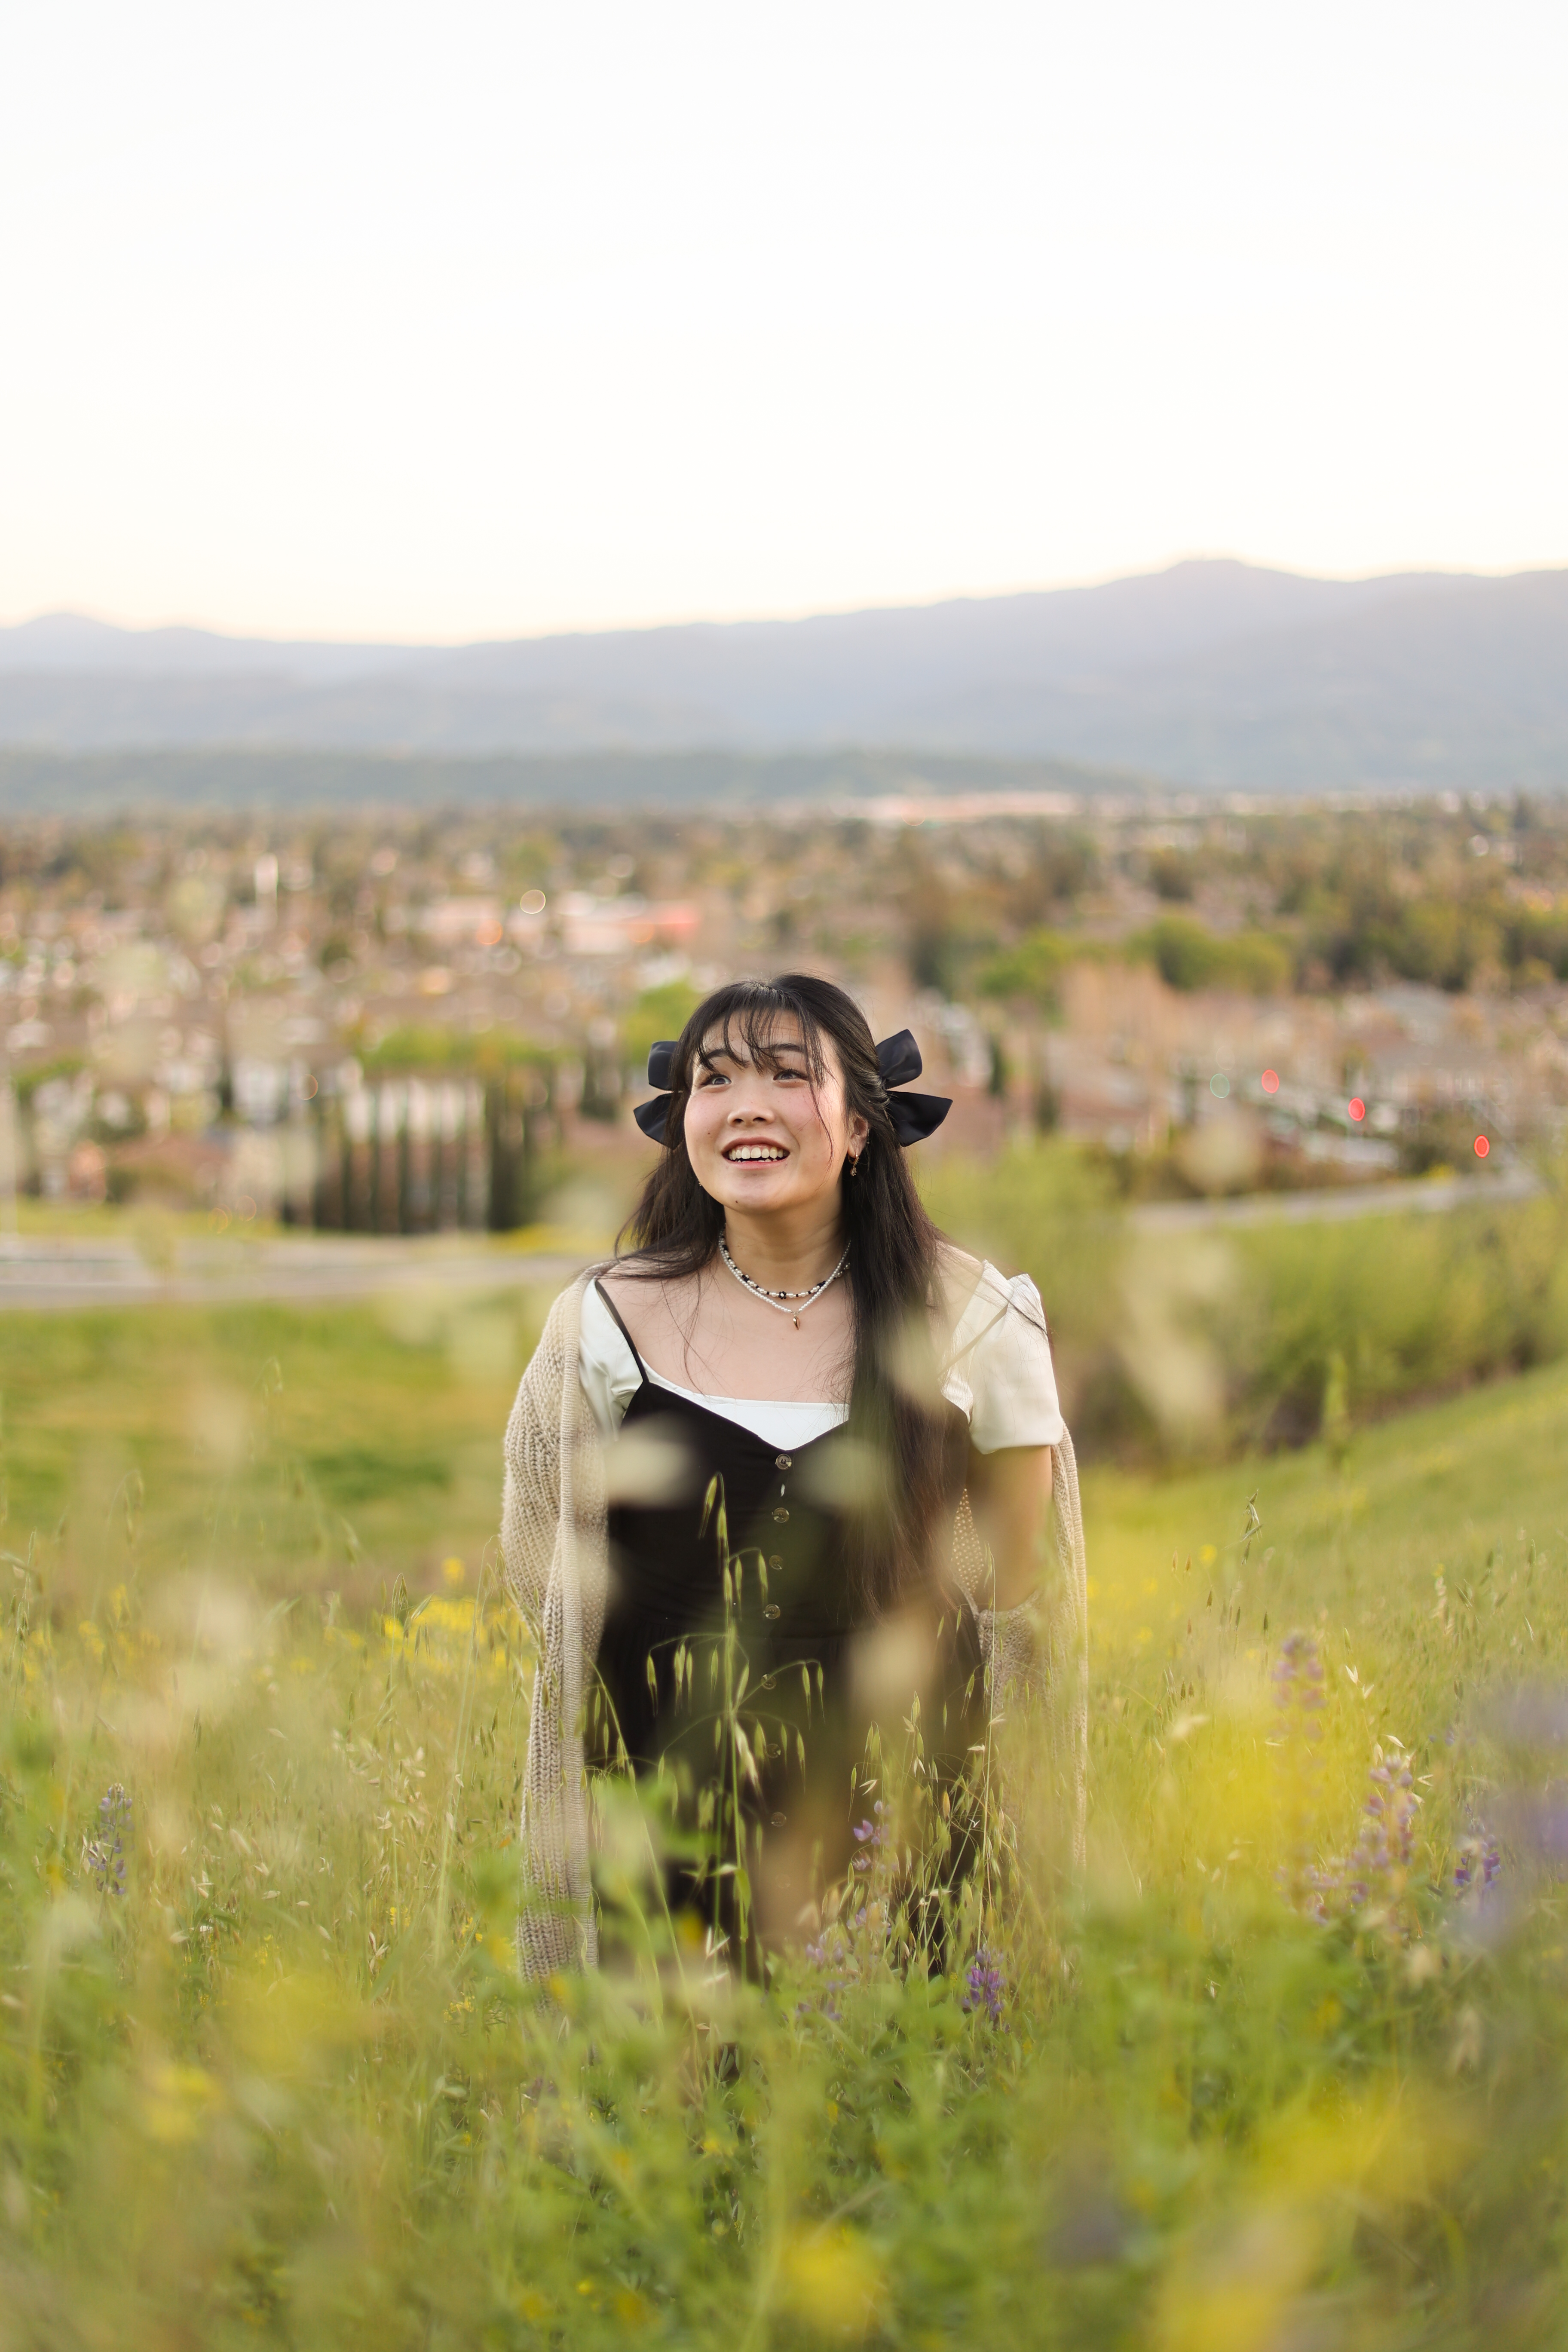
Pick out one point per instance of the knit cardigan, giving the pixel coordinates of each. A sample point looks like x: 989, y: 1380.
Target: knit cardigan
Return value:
x: 555, y: 1549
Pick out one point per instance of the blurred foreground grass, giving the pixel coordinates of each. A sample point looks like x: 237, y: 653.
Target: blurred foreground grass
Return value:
x: 1282, y: 2073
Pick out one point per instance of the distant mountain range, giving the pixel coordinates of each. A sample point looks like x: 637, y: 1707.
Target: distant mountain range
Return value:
x: 1213, y: 675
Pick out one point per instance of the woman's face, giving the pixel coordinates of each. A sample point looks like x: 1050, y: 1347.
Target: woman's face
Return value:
x: 759, y: 1136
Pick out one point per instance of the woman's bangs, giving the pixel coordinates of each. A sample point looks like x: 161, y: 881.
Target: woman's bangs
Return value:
x: 751, y: 1017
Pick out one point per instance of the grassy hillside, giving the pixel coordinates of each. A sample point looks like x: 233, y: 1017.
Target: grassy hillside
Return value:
x: 266, y: 2075
x: 387, y: 1421
x: 1182, y: 1345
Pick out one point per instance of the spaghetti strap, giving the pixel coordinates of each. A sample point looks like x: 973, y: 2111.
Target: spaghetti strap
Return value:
x: 609, y: 1302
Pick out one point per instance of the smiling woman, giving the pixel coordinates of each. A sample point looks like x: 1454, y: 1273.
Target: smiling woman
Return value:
x: 793, y: 1426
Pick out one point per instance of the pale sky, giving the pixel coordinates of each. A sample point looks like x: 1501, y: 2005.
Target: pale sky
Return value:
x: 477, y: 320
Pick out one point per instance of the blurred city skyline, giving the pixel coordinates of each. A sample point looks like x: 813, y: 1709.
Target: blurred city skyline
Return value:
x: 361, y: 326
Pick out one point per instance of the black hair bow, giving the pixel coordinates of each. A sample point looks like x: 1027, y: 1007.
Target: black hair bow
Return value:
x: 651, y: 1116
x: 897, y: 1060
x: 914, y: 1116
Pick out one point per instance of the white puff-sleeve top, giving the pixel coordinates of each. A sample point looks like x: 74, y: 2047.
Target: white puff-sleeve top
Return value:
x: 999, y: 1375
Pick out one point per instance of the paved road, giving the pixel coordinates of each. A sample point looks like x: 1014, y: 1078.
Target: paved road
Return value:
x: 61, y: 1274
x: 1332, y: 1207
x: 57, y: 1273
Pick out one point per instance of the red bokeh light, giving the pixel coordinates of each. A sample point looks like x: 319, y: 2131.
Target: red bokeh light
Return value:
x: 1358, y: 1108
x: 1482, y: 1147
x: 1270, y: 1082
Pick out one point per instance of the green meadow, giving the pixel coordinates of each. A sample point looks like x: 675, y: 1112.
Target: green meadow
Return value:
x: 1276, y: 2072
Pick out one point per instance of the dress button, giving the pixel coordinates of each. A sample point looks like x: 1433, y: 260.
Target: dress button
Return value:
x: 784, y: 1461
x: 775, y: 1559
x: 780, y: 1514
x: 771, y: 1610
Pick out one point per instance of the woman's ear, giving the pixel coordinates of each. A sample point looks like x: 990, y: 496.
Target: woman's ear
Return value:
x: 859, y: 1128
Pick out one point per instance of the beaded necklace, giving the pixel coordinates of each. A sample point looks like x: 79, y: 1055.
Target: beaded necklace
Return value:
x: 780, y: 1299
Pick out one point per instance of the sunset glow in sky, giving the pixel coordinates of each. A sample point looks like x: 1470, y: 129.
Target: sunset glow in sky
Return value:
x: 478, y: 319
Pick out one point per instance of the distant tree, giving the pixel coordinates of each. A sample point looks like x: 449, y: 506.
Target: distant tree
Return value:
x: 1032, y: 969
x: 1172, y: 874
x: 658, y: 1013
x: 1188, y: 955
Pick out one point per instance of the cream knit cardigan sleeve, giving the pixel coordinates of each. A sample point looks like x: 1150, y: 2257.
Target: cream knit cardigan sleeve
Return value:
x: 555, y: 1546
x: 555, y: 1549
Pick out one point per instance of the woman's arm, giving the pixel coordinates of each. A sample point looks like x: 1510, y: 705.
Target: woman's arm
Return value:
x: 1010, y: 1497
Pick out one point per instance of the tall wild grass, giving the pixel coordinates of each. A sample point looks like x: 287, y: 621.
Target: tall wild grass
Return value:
x: 1288, y: 2067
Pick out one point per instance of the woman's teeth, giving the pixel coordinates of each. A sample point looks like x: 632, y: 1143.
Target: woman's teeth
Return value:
x: 755, y: 1151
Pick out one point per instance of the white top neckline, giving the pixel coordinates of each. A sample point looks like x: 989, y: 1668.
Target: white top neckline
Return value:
x: 780, y: 1421
x: 1001, y: 1377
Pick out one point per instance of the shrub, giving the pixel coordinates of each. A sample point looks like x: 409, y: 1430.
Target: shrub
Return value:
x: 1032, y: 969
x: 1188, y: 955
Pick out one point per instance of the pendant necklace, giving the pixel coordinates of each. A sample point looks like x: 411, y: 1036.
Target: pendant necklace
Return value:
x: 793, y: 1303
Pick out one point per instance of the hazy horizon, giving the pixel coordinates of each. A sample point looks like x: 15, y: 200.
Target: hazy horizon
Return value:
x: 198, y: 627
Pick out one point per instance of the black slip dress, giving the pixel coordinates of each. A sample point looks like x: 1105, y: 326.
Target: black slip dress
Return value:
x: 673, y: 1639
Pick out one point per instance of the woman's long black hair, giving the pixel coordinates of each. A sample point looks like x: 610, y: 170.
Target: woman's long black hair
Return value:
x: 893, y: 1273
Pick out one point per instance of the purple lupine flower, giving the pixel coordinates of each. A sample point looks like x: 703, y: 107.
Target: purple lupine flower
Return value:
x: 1299, y: 1694
x: 850, y: 1948
x: 830, y: 1952
x: 1478, y: 1867
x: 984, y: 1985
x: 1383, y: 1852
x: 1298, y: 1680
x: 104, y: 1855
x: 1372, y: 1873
x: 870, y: 1836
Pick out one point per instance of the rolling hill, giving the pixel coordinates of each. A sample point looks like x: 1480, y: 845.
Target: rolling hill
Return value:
x: 1211, y: 675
